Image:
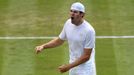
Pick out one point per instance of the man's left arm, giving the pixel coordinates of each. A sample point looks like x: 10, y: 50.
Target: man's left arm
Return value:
x: 85, y: 57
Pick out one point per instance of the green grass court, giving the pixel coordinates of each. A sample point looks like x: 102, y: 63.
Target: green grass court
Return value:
x: 46, y: 18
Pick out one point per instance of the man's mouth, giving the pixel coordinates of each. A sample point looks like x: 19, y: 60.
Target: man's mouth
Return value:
x: 72, y: 17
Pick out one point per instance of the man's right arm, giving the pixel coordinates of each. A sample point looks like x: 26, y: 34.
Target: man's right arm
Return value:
x: 51, y: 44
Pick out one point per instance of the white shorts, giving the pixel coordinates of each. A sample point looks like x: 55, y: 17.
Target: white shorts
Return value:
x: 83, y: 71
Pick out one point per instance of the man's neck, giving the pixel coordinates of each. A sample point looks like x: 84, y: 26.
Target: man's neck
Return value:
x: 79, y: 22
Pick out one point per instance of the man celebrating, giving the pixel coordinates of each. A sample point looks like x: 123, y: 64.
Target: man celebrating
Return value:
x: 81, y: 39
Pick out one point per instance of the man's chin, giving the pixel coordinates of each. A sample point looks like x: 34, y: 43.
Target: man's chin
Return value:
x: 72, y: 20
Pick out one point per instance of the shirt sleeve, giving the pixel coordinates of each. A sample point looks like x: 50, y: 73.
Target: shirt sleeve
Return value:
x: 62, y: 35
x: 90, y: 39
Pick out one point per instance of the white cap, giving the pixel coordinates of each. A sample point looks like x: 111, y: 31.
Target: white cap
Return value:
x: 78, y: 6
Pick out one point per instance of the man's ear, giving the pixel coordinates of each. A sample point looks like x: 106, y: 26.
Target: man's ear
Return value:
x: 82, y: 14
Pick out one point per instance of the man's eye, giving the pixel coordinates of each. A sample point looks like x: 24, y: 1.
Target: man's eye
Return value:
x: 75, y: 11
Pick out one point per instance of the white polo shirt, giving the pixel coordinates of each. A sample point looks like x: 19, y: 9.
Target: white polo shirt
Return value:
x: 80, y: 37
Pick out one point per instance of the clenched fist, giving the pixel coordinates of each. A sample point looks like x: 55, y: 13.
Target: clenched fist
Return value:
x: 64, y: 68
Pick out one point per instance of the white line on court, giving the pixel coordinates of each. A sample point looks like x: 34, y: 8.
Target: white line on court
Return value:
x: 45, y: 37
x: 52, y: 37
x: 114, y: 37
